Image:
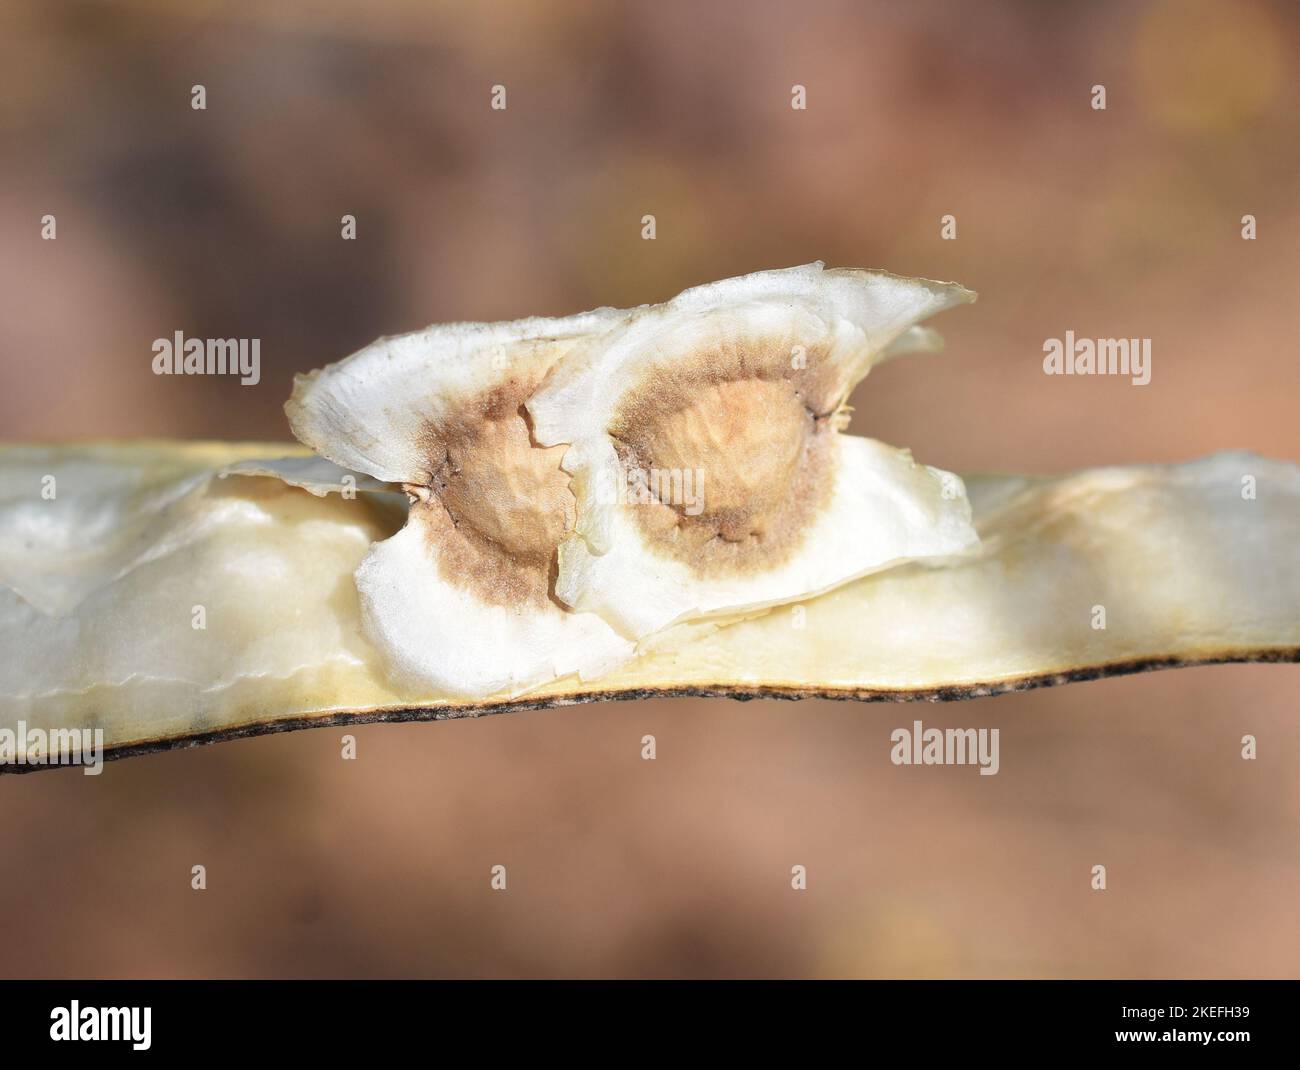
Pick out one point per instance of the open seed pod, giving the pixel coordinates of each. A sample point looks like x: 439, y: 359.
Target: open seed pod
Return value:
x: 707, y: 460
x: 235, y: 611
x: 448, y: 551
x: 514, y: 569
x: 512, y: 572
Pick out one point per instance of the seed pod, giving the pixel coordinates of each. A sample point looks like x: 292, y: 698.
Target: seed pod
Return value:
x: 451, y: 548
x: 1189, y: 570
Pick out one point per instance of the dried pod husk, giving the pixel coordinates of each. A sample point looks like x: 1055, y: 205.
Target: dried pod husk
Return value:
x: 1187, y: 567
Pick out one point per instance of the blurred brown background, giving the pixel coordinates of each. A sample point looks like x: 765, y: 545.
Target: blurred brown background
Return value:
x: 225, y: 222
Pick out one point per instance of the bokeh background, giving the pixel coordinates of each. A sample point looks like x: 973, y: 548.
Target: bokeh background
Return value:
x: 226, y: 222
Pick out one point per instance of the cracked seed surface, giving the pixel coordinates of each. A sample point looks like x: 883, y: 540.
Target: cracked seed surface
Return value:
x: 758, y: 427
x: 496, y: 505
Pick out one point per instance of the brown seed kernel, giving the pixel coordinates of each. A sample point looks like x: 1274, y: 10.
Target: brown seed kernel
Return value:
x: 755, y: 421
x: 495, y: 504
